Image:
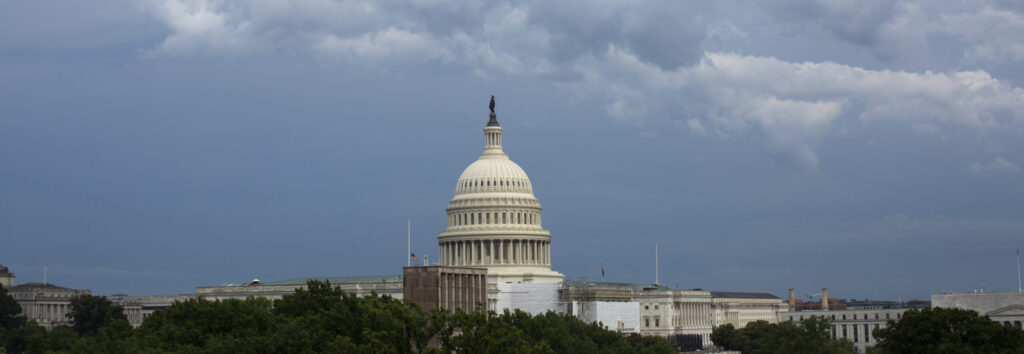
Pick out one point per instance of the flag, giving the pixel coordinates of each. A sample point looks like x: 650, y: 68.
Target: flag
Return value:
x: 413, y: 256
x: 602, y: 269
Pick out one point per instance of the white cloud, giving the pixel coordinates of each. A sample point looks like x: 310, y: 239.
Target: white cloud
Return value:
x: 606, y: 50
x: 997, y: 165
x: 390, y: 45
x: 696, y: 127
x: 792, y: 106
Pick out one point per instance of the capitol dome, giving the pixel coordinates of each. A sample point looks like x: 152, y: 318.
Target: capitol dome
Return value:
x: 494, y: 220
x: 493, y: 175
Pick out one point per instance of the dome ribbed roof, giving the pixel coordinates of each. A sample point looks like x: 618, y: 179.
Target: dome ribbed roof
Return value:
x: 493, y: 175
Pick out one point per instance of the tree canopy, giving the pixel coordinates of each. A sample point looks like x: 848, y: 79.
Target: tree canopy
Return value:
x: 811, y: 336
x: 323, y: 318
x: 942, y: 330
x: 89, y: 313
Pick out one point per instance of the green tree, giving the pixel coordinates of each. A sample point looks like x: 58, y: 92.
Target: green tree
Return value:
x: 810, y: 336
x: 231, y: 325
x: 727, y: 337
x: 941, y: 330
x: 518, y: 331
x: 89, y: 313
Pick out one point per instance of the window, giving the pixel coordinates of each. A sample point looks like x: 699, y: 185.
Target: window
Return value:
x: 887, y: 316
x: 844, y: 317
x: 866, y: 333
x: 790, y: 318
x: 657, y: 322
x: 655, y: 307
x: 833, y: 317
x: 647, y: 307
x: 898, y: 316
x: 855, y: 336
x: 876, y: 316
x: 844, y: 331
x: 833, y: 331
x: 855, y: 316
x: 647, y: 322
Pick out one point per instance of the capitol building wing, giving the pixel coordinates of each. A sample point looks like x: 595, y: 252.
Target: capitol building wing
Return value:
x: 494, y: 220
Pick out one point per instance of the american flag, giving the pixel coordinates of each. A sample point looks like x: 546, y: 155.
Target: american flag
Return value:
x: 413, y: 256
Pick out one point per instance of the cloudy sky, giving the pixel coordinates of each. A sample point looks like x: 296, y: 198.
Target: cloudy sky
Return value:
x: 874, y: 148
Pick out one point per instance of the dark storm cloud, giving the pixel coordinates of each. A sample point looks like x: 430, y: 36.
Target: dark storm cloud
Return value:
x: 201, y: 142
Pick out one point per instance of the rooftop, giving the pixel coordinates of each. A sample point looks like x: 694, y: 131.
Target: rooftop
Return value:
x: 742, y: 295
x: 335, y: 280
x: 38, y: 286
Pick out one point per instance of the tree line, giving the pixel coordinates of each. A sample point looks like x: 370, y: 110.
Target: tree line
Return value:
x: 928, y: 330
x: 318, y: 319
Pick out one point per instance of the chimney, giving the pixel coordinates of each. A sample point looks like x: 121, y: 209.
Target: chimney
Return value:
x: 824, y: 299
x: 792, y: 300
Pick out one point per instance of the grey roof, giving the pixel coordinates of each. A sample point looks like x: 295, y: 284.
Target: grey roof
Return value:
x: 34, y: 286
x: 742, y: 295
x: 342, y: 280
x: 604, y: 284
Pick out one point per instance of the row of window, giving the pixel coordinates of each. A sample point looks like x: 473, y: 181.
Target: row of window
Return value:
x: 856, y: 332
x: 494, y: 183
x: 463, y: 219
x: 865, y: 317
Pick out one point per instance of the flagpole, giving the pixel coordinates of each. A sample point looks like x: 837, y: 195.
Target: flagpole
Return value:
x: 408, y: 249
x: 1018, y: 270
x: 656, y: 264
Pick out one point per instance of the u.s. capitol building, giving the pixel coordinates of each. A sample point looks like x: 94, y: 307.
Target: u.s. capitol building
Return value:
x: 494, y: 223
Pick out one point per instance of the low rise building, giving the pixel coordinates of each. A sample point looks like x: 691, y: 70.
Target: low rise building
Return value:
x: 855, y: 325
x: 1003, y: 307
x: 47, y: 304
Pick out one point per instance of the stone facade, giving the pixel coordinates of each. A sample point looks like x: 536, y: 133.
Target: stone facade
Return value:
x: 445, y: 286
x: 854, y: 325
x: 739, y: 309
x: 1006, y: 307
x: 6, y: 277
x: 47, y: 304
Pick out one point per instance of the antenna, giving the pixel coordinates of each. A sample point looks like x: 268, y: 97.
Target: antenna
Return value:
x: 655, y: 263
x: 408, y: 250
x: 44, y: 273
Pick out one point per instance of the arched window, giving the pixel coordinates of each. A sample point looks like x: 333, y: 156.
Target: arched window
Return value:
x: 472, y: 219
x: 488, y: 218
x: 504, y: 218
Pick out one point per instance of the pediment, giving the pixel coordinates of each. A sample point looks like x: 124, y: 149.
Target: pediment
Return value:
x: 1012, y: 310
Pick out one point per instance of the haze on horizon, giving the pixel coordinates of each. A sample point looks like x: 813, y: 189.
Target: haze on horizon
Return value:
x: 873, y: 148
